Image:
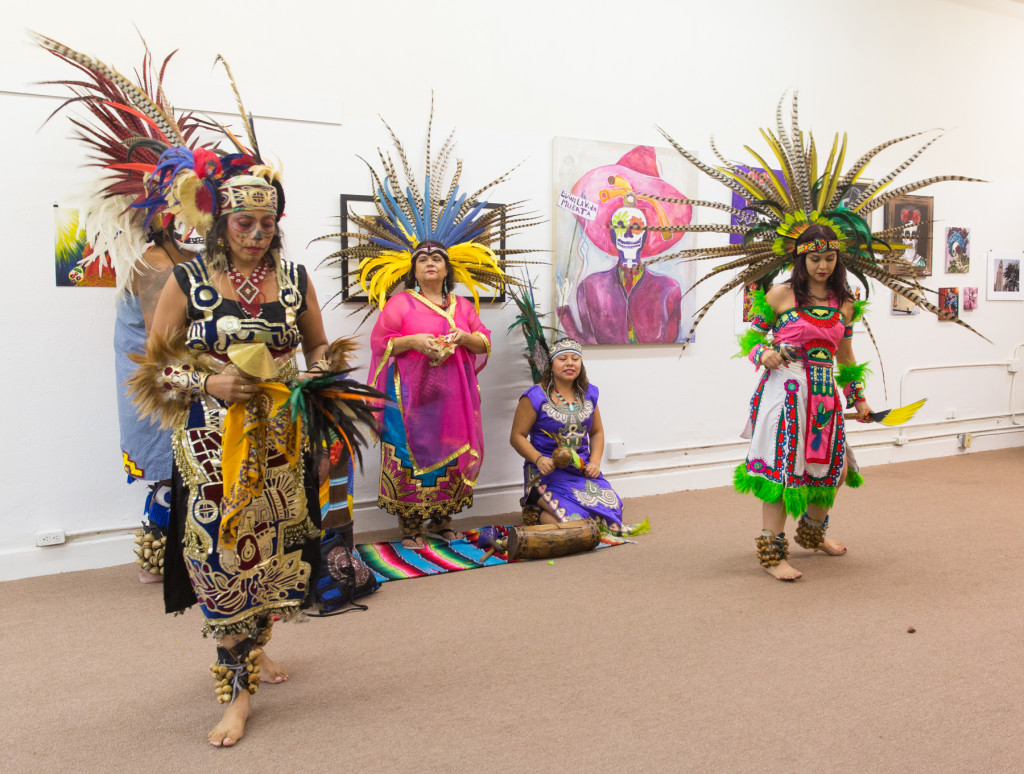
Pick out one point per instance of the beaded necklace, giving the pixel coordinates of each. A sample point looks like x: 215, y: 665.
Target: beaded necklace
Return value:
x: 570, y: 405
x: 249, y: 289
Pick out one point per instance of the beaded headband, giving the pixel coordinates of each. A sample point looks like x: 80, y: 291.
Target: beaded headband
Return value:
x: 818, y: 245
x: 562, y: 346
x: 246, y: 192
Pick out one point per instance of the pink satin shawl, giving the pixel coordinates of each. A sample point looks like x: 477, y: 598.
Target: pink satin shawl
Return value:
x: 440, y: 405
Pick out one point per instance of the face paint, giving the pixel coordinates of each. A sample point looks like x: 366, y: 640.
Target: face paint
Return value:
x: 249, y: 233
x: 187, y: 241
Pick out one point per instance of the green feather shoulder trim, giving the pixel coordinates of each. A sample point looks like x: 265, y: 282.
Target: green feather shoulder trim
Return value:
x: 851, y: 372
x: 749, y: 340
x: 859, y: 308
x: 759, y: 307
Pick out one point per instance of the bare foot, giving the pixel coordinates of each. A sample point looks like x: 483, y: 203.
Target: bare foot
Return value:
x: 145, y: 577
x: 784, y: 571
x: 232, y: 725
x: 270, y: 670
x: 832, y: 548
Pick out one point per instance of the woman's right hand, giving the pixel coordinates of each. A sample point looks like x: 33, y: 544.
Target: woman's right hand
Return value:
x: 425, y: 344
x: 770, y: 358
x: 231, y: 388
x: 545, y: 465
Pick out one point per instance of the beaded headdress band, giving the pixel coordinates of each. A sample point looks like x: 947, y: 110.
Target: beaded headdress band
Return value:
x: 818, y: 245
x: 562, y: 346
x: 246, y: 192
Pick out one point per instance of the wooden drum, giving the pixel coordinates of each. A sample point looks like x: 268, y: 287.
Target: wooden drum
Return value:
x: 546, y: 541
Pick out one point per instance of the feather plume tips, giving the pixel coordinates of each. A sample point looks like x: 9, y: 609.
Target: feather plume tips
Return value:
x: 798, y: 191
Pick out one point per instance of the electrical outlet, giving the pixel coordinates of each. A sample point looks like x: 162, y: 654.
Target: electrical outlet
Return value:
x: 964, y: 440
x: 616, y: 450
x: 53, y: 537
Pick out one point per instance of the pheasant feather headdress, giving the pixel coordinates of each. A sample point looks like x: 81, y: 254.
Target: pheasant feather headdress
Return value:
x: 786, y: 202
x: 132, y: 124
x: 438, y: 215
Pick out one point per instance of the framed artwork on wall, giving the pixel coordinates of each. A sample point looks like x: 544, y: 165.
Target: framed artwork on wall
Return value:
x: 610, y: 284
x: 901, y: 306
x: 1004, y: 275
x: 913, y: 214
x: 949, y: 303
x: 970, y: 299
x: 362, y: 205
x: 958, y: 250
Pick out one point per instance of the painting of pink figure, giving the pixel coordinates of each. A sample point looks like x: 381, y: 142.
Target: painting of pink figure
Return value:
x: 610, y: 287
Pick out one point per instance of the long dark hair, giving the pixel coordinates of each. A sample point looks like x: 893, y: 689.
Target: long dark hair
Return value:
x: 800, y: 280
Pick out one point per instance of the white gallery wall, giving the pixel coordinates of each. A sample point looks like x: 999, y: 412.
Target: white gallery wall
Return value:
x: 511, y: 77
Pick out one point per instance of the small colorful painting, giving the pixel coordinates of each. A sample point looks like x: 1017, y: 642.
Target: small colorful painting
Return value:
x: 958, y: 250
x: 1004, y: 275
x: 70, y: 248
x: 970, y: 298
x: 949, y: 303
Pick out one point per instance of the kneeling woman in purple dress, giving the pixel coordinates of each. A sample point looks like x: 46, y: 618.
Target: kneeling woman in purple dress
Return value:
x: 557, y: 429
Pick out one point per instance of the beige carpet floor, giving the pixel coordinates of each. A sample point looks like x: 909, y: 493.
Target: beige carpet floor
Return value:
x: 676, y: 654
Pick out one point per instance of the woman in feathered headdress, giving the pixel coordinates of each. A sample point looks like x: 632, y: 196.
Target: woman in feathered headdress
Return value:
x: 220, y: 370
x: 128, y: 125
x: 428, y: 345
x: 798, y: 454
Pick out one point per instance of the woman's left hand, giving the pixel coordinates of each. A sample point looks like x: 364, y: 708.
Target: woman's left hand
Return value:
x: 592, y: 470
x: 863, y: 409
x: 459, y: 337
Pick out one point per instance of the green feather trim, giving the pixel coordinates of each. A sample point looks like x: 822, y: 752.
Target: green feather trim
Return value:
x: 859, y: 308
x: 759, y: 307
x: 851, y: 372
x: 854, y: 479
x: 794, y: 499
x: 749, y: 340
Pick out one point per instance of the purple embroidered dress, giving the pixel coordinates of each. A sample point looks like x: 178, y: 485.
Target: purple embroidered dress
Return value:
x: 567, y: 492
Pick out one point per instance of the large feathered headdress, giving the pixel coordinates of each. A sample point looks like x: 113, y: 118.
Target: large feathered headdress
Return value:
x: 786, y: 202
x: 132, y: 124
x: 198, y: 186
x: 439, y: 215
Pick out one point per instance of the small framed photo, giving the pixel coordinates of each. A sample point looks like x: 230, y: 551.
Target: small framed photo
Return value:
x: 1004, y: 275
x: 912, y: 214
x: 903, y: 306
x: 970, y: 299
x: 949, y: 303
x: 363, y: 206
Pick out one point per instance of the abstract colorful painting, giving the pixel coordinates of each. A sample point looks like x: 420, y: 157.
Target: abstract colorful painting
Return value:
x: 70, y: 247
x: 738, y: 202
x: 610, y: 287
x: 949, y: 303
x: 958, y: 250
